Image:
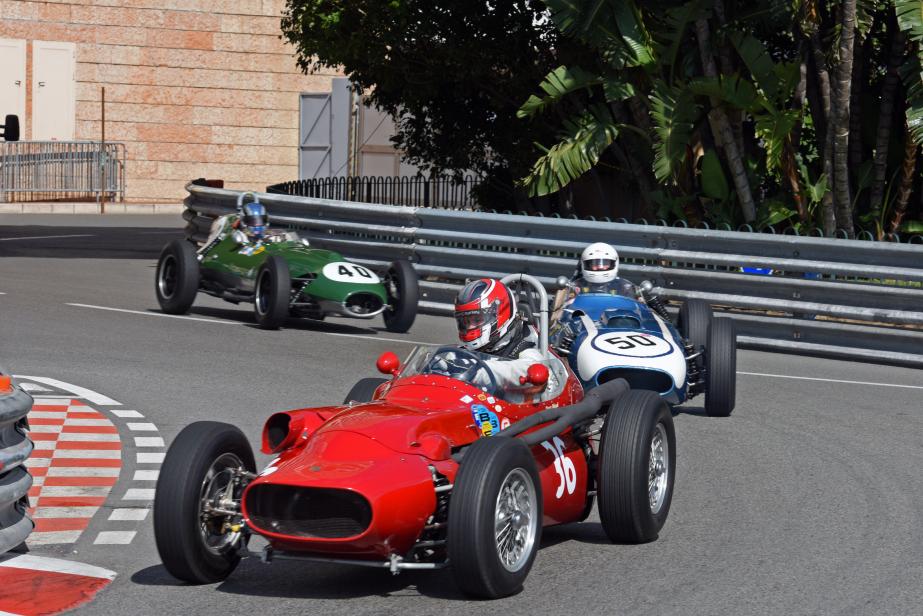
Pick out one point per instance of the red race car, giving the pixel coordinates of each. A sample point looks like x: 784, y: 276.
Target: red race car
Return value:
x: 438, y: 466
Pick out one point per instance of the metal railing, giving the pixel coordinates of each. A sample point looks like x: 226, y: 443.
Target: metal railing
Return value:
x: 830, y: 297
x: 15, y: 480
x: 61, y: 170
x: 437, y: 191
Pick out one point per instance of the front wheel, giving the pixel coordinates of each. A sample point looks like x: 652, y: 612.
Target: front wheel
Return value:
x: 495, y: 518
x: 637, y: 462
x: 364, y: 390
x: 721, y: 369
x: 201, y: 469
x: 272, y: 293
x: 403, y: 289
x: 177, y: 278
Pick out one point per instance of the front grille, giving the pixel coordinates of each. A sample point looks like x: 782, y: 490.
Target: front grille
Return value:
x: 363, y: 303
x: 319, y: 513
x: 653, y: 380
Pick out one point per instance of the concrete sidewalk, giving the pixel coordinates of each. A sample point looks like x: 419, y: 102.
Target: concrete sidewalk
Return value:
x: 90, y: 208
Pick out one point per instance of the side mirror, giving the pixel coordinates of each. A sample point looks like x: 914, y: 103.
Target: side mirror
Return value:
x: 10, y: 128
x: 239, y: 237
x: 388, y: 363
x: 563, y: 282
x: 537, y: 374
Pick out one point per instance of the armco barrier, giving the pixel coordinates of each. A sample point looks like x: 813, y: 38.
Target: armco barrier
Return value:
x: 838, y: 298
x: 15, y: 480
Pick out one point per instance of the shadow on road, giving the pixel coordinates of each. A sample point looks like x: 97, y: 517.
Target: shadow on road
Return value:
x: 244, y: 313
x: 49, y: 242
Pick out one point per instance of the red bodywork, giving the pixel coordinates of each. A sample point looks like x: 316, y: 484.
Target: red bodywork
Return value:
x: 383, y: 451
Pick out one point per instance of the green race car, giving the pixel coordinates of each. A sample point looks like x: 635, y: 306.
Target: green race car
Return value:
x: 282, y: 276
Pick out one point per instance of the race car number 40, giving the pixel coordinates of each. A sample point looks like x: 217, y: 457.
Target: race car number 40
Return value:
x: 632, y: 344
x: 349, y: 272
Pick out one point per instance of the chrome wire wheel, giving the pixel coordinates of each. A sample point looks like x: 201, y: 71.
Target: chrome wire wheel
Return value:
x: 516, y: 520
x: 219, y: 491
x: 263, y: 293
x: 167, y: 277
x: 658, y: 469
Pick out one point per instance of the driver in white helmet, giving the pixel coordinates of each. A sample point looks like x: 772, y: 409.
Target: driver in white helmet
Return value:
x: 599, y: 272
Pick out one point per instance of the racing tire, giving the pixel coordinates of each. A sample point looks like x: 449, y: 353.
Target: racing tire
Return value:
x: 401, y: 310
x: 363, y: 390
x: 177, y: 278
x: 721, y: 369
x: 638, y: 437
x: 492, y: 468
x: 200, y: 449
x: 695, y: 316
x: 272, y: 293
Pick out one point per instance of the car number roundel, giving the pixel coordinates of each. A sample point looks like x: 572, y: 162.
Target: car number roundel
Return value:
x: 342, y: 271
x: 632, y: 344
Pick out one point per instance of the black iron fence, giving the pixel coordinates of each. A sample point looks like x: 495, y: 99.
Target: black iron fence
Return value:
x: 438, y: 192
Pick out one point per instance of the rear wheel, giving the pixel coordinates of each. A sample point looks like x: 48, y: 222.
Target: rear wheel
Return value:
x: 721, y: 369
x: 200, y: 469
x: 403, y: 291
x: 694, y: 318
x: 637, y: 462
x: 495, y: 517
x: 272, y: 293
x: 177, y: 277
x: 364, y: 389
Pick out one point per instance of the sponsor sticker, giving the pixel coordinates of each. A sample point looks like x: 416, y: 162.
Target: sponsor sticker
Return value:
x: 485, y: 419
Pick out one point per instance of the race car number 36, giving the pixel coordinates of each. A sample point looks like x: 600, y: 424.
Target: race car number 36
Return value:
x: 342, y: 271
x: 632, y: 344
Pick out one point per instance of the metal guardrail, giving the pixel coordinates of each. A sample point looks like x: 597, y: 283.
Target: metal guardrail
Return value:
x: 830, y: 297
x: 59, y: 170
x: 437, y: 191
x: 15, y: 480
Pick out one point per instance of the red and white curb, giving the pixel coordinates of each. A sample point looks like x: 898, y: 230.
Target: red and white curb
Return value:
x: 78, y: 459
x: 35, y: 585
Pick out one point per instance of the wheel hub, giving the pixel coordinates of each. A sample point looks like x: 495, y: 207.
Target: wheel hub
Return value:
x: 658, y: 469
x: 515, y: 520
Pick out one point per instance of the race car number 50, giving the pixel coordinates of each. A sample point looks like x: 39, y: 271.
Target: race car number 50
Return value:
x: 349, y: 272
x: 564, y: 467
x: 632, y: 344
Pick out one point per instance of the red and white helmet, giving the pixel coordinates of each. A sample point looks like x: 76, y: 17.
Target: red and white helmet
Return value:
x: 599, y: 263
x: 484, y: 310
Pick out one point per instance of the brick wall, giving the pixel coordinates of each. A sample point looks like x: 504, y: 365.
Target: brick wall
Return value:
x: 195, y: 88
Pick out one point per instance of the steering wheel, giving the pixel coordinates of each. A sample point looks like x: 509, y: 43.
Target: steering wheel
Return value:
x: 469, y: 373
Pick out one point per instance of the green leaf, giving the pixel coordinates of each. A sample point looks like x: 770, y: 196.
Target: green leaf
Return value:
x: 557, y: 85
x: 617, y: 90
x: 912, y: 226
x: 913, y: 84
x: 585, y: 139
x: 910, y: 18
x: 732, y: 90
x: 714, y: 184
x: 758, y: 62
x: 674, y: 112
x: 774, y: 129
x: 636, y: 38
x: 612, y: 27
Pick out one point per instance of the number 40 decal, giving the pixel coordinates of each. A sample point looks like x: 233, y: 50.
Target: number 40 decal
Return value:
x: 563, y: 465
x: 347, y: 269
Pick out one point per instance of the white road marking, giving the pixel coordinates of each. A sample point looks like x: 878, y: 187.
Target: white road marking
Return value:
x: 45, y: 429
x: 138, y: 494
x: 38, y: 462
x: 75, y: 491
x: 812, y: 378
x: 81, y: 471
x: 79, y: 392
x: 47, y: 414
x: 40, y: 563
x: 148, y: 441
x: 128, y: 515
x: 150, y: 458
x: 87, y: 422
x: 114, y: 537
x: 109, y: 454
x: 81, y: 436
x: 226, y: 321
x: 64, y: 512
x: 50, y: 537
x: 44, y: 237
x: 31, y: 386
x: 127, y: 414
x: 141, y: 427
x: 146, y: 476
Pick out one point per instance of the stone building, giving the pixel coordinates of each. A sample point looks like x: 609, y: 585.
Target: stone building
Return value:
x: 194, y: 88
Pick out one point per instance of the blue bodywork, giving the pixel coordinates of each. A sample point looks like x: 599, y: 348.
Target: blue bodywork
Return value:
x: 618, y: 314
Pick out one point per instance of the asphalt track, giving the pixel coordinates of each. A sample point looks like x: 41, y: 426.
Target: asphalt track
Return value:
x: 807, y: 500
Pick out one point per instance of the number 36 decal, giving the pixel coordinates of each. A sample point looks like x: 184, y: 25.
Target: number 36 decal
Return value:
x: 563, y: 466
x: 349, y: 272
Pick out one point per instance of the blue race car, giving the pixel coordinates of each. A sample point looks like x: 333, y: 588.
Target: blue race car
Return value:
x: 607, y: 336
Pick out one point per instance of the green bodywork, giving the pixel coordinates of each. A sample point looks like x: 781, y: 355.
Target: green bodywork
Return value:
x: 229, y: 259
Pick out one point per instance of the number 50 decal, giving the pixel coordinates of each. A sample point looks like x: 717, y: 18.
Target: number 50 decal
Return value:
x: 563, y: 465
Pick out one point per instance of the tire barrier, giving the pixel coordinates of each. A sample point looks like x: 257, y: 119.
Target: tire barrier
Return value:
x: 847, y: 299
x: 15, y: 480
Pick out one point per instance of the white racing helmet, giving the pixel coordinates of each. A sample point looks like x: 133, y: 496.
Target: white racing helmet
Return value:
x: 599, y: 263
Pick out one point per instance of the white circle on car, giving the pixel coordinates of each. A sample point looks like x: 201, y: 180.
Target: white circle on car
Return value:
x: 632, y: 344
x: 341, y: 271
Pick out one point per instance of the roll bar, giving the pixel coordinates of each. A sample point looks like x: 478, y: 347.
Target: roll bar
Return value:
x: 543, y: 310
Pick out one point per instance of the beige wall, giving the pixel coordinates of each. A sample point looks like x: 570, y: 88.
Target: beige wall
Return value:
x: 195, y: 88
